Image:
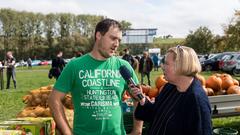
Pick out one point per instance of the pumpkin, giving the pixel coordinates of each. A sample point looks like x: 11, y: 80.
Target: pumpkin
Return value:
x: 235, y: 81
x: 125, y: 96
x: 145, y: 88
x: 44, y: 88
x: 227, y: 81
x: 153, y: 92
x: 47, y: 112
x: 210, y: 92
x: 160, y: 81
x: 217, y: 74
x: 25, y: 99
x: 68, y: 101
x: 50, y: 87
x: 39, y: 111
x: 221, y: 92
x: 201, y: 79
x: 214, y: 82
x: 233, y: 90
x: 224, y: 75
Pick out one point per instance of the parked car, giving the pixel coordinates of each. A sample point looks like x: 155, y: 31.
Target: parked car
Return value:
x: 49, y: 62
x: 21, y: 63
x: 44, y: 62
x: 35, y: 62
x: 237, y: 70
x: 213, y: 62
x: 201, y: 58
x: 230, y: 63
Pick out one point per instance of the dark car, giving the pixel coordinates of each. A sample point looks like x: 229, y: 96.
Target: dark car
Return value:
x: 213, y: 63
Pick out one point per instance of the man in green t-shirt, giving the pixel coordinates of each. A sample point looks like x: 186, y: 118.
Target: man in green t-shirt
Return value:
x: 96, y: 87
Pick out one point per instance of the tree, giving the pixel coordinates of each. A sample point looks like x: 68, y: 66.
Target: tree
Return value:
x: 31, y: 34
x: 202, y: 40
x: 232, y: 33
x: 125, y: 25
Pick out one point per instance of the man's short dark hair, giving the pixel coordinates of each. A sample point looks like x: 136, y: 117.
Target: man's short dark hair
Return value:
x: 126, y: 49
x: 104, y: 25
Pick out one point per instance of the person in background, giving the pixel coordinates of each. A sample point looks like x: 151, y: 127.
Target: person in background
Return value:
x: 137, y: 57
x: 155, y: 60
x: 182, y: 107
x: 145, y: 67
x: 1, y: 75
x: 29, y: 62
x: 96, y: 87
x: 11, y: 72
x: 57, y: 65
x: 128, y: 57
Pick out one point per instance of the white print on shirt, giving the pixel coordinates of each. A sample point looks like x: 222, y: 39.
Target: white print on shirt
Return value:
x: 99, y: 78
x: 101, y: 98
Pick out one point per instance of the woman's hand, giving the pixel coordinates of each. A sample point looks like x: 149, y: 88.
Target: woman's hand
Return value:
x: 135, y: 91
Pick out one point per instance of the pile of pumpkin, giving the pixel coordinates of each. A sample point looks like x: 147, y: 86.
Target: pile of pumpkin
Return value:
x: 220, y: 84
x: 37, y: 103
x: 149, y: 91
x: 216, y: 84
x: 152, y: 92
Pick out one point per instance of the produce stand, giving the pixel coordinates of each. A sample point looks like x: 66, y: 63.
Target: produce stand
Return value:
x: 225, y: 105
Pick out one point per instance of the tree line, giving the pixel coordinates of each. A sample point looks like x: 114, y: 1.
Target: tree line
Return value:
x: 39, y: 36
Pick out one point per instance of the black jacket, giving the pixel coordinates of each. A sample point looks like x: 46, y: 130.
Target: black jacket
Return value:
x: 149, y: 65
x: 129, y: 58
x: 178, y: 113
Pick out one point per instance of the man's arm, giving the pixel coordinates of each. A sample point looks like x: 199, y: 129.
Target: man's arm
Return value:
x: 56, y: 106
x: 137, y: 124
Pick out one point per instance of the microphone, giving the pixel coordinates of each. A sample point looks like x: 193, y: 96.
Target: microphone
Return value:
x: 125, y: 73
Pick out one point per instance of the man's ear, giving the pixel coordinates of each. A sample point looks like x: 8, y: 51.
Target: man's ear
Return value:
x: 98, y: 35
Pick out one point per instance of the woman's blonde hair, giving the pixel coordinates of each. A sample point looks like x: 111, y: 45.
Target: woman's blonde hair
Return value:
x: 186, y: 60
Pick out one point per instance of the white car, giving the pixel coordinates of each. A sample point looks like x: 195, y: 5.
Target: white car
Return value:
x: 21, y: 64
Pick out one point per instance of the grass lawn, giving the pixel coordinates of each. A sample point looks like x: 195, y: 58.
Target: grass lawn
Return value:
x: 29, y: 79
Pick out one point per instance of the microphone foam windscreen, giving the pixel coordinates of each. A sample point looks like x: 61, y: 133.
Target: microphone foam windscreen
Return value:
x: 125, y: 72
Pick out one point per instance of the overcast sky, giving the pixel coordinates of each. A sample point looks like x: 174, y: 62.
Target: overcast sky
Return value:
x: 175, y: 17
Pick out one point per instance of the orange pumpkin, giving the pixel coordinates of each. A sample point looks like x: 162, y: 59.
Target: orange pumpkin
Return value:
x: 153, y: 92
x: 125, y: 96
x: 227, y: 81
x: 201, y: 79
x: 210, y: 92
x: 224, y: 75
x: 236, y: 82
x: 214, y: 82
x: 217, y: 74
x: 233, y: 90
x: 145, y: 88
x: 160, y: 81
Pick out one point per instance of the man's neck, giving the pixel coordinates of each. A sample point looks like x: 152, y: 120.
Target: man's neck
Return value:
x: 96, y: 55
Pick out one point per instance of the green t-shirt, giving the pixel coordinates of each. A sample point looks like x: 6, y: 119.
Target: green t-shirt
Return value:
x: 97, y: 88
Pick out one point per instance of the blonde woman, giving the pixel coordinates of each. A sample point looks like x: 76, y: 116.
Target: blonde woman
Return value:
x: 182, y: 107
